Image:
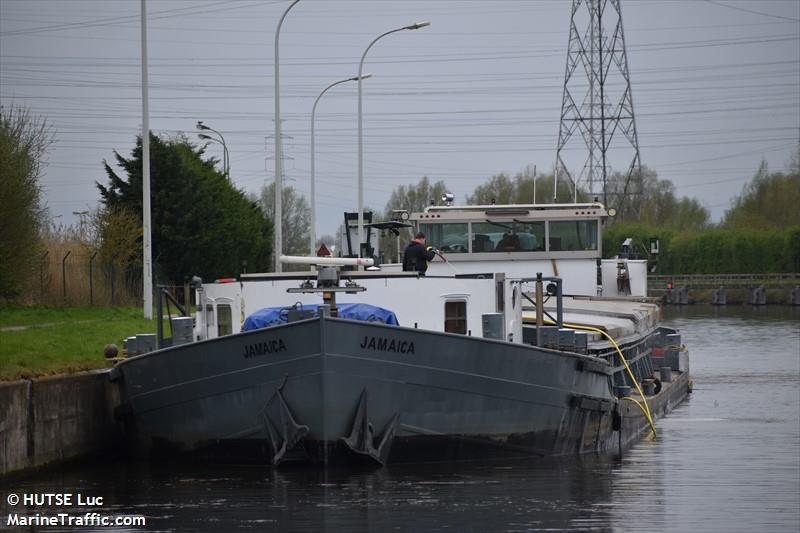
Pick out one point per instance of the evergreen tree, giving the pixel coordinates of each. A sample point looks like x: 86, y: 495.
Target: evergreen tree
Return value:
x: 201, y: 224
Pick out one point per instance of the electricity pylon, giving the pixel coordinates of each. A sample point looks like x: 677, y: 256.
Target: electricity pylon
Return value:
x: 597, y: 103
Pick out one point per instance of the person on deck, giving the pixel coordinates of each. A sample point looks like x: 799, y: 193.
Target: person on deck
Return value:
x: 417, y: 256
x: 509, y: 243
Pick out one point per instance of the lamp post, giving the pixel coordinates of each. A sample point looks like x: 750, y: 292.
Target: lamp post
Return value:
x: 278, y: 153
x: 226, y: 162
x: 147, y: 242
x: 416, y: 26
x: 313, y: 232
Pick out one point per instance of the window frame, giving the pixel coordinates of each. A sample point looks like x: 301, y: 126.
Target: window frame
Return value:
x: 458, y: 318
x: 547, y: 253
x: 229, y: 307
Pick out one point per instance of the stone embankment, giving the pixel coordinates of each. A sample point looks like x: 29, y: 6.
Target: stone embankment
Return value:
x: 55, y: 419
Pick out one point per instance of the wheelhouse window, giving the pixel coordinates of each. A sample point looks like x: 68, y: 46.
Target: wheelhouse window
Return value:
x: 450, y: 238
x: 224, y: 320
x: 495, y: 236
x: 455, y: 317
x: 569, y: 235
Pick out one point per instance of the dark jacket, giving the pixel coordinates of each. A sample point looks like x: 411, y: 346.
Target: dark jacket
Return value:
x: 416, y: 258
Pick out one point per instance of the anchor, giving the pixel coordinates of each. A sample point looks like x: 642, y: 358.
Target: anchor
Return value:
x: 362, y: 436
x: 286, y: 433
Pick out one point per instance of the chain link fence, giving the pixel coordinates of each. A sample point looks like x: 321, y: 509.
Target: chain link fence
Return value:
x: 82, y: 277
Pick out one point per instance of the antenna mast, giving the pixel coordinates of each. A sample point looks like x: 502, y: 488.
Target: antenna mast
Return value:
x: 597, y: 103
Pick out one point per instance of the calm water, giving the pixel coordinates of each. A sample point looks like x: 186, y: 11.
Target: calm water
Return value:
x: 726, y: 460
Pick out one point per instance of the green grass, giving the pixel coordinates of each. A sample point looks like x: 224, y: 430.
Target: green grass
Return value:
x: 63, y: 340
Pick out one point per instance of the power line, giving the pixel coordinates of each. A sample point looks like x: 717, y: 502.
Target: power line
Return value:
x: 753, y: 11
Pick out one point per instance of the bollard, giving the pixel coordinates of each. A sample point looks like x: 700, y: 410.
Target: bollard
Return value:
x: 683, y: 295
x: 648, y: 387
x: 622, y: 391
x: 673, y: 346
x: 665, y: 373
x: 794, y: 295
x: 758, y: 296
x: 718, y: 297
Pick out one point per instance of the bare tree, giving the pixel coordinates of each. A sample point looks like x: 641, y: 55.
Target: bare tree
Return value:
x: 296, y: 218
x: 415, y: 198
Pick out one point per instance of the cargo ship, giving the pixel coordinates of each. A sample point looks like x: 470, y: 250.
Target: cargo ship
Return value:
x: 519, y: 340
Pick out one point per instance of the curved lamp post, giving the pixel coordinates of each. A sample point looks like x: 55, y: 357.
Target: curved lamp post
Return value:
x: 226, y: 161
x: 313, y: 231
x: 278, y: 152
x: 416, y: 26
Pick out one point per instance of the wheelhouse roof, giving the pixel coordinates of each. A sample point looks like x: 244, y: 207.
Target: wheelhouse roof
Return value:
x: 526, y: 211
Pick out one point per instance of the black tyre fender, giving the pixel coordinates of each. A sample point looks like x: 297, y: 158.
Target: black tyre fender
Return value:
x: 658, y: 386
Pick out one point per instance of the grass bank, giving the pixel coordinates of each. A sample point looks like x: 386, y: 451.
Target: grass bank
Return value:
x: 40, y: 341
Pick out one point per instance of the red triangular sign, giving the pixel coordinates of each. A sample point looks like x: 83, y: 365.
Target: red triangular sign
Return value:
x: 323, y: 251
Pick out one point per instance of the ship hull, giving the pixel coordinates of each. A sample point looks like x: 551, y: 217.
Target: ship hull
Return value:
x: 330, y: 390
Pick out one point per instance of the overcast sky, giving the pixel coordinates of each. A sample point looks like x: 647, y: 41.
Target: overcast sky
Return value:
x: 716, y: 88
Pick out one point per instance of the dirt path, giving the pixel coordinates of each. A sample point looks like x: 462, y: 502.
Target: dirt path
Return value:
x: 47, y: 325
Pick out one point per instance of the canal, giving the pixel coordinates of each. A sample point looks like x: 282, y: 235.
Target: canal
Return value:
x: 728, y: 459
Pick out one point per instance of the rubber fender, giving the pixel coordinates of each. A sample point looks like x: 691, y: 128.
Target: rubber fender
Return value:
x: 657, y: 383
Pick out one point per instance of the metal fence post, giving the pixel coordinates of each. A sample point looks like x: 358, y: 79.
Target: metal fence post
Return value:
x: 113, y: 277
x: 64, y: 275
x: 41, y: 276
x: 91, y: 279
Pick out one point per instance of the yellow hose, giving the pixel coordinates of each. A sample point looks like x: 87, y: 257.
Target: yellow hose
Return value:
x: 649, y: 419
x: 645, y: 408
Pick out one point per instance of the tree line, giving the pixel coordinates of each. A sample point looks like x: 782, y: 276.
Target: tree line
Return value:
x: 759, y: 233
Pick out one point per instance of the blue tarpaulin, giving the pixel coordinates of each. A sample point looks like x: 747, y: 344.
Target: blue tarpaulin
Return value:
x: 274, y: 316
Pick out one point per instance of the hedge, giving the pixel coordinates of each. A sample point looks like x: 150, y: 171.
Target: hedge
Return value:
x: 713, y: 250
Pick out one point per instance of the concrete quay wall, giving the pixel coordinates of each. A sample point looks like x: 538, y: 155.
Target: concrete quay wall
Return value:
x: 55, y: 419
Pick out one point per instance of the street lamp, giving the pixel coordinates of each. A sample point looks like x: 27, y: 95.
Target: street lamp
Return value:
x: 209, y: 138
x: 313, y: 232
x: 416, y: 26
x: 226, y: 162
x: 278, y: 152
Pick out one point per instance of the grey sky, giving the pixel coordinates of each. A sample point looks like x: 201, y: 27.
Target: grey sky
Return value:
x: 716, y: 87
